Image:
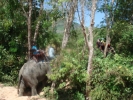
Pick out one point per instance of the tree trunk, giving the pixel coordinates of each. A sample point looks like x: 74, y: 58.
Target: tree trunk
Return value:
x: 38, y: 22
x: 28, y: 17
x: 107, y: 42
x: 29, y: 27
x: 109, y: 22
x: 69, y: 21
x: 90, y: 46
x: 88, y: 40
x: 65, y: 38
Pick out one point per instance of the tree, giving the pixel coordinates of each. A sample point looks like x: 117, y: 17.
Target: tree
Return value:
x: 39, y: 18
x: 109, y: 17
x: 88, y: 40
x: 71, y: 8
x: 28, y: 15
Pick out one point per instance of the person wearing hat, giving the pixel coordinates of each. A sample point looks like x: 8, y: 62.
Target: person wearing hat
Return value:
x: 34, y: 48
x: 37, y: 55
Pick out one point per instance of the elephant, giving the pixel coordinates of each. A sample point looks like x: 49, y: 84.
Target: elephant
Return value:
x: 101, y: 46
x: 31, y: 75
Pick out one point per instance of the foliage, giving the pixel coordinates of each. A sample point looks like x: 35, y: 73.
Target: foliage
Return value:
x: 123, y: 11
x: 50, y: 95
x: 122, y: 38
x: 9, y: 66
x: 69, y: 74
x: 75, y: 80
x: 112, y: 78
x: 12, y: 40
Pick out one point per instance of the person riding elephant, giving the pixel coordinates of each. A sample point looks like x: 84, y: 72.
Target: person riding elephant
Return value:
x: 101, y: 43
x: 98, y: 43
x: 37, y: 55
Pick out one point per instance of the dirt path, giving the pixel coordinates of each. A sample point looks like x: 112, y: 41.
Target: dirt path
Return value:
x: 10, y: 93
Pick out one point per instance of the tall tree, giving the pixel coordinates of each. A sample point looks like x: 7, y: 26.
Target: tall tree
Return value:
x: 71, y: 7
x: 88, y: 40
x: 39, y: 20
x: 109, y: 17
x: 28, y: 15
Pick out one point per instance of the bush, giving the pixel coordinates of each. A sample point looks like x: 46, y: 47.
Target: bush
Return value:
x: 9, y: 66
x: 122, y: 38
x: 69, y: 74
x: 112, y: 78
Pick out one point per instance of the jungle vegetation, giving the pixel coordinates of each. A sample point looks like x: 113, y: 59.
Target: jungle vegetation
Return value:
x: 111, y: 76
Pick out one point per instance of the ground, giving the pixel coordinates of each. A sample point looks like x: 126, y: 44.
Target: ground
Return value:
x: 10, y: 93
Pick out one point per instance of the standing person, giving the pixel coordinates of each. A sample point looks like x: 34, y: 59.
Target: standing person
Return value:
x: 51, y: 52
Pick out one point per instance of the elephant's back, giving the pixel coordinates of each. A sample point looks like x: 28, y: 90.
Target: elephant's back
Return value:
x: 43, y: 66
x: 32, y: 68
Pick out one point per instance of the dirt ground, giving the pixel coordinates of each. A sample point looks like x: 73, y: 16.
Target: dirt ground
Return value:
x: 10, y: 93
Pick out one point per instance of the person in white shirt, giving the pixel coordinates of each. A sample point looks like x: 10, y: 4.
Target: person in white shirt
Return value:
x: 51, y: 53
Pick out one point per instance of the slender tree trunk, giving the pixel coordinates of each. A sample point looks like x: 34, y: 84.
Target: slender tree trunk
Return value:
x: 90, y: 45
x: 29, y: 27
x: 38, y: 22
x: 65, y: 38
x: 69, y: 21
x: 28, y: 15
x: 109, y: 22
x: 107, y: 35
x: 88, y: 40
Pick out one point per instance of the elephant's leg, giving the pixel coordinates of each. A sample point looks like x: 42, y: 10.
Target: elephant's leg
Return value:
x: 22, y: 87
x: 33, y: 90
x: 33, y: 86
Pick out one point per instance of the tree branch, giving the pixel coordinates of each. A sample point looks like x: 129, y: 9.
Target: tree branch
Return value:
x: 38, y: 22
x: 24, y: 12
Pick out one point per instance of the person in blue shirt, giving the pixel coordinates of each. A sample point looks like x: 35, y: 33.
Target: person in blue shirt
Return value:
x: 34, y: 48
x: 37, y: 55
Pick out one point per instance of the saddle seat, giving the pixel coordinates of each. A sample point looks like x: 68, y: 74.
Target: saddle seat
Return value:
x: 40, y: 56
